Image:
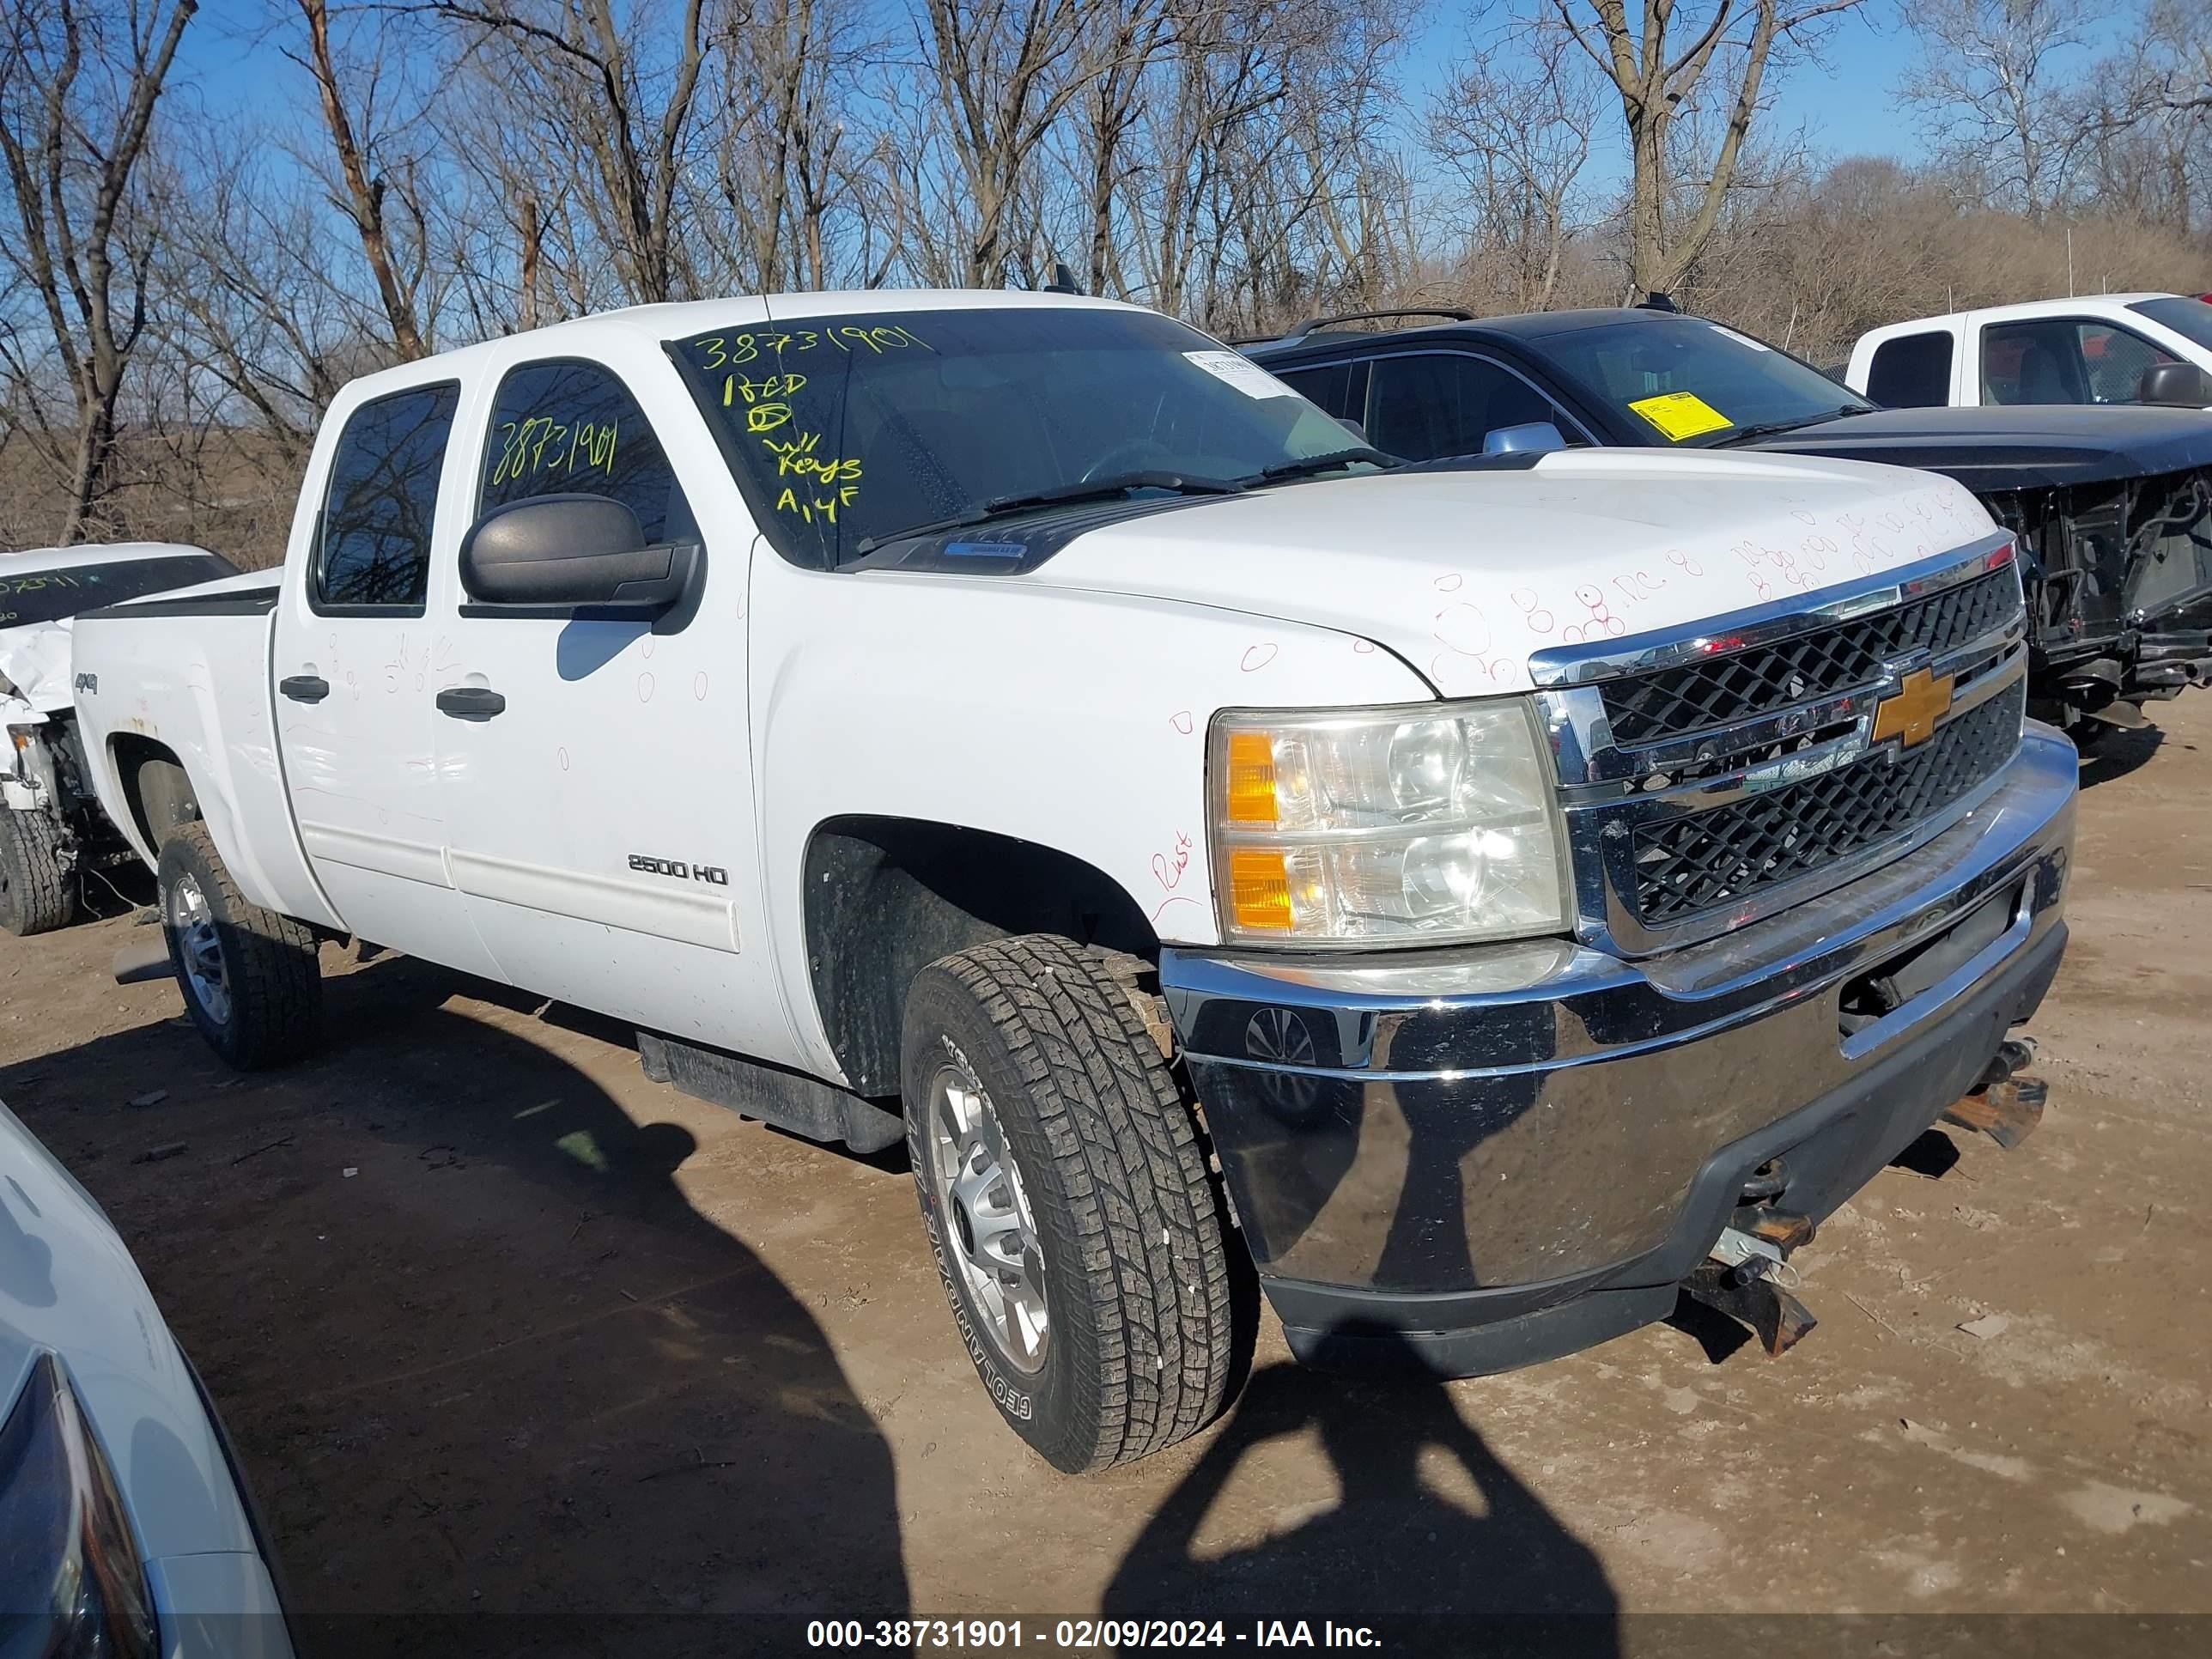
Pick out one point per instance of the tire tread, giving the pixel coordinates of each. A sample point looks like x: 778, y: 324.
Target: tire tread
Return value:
x: 39, y: 897
x: 1142, y: 1219
x: 276, y: 980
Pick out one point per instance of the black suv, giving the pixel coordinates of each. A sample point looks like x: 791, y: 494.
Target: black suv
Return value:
x: 2113, y: 507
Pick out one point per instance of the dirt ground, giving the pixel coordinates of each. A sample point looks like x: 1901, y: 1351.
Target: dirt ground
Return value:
x: 501, y: 1328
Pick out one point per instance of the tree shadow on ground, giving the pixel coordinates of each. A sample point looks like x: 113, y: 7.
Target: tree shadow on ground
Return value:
x: 1501, y: 1577
x: 499, y: 1386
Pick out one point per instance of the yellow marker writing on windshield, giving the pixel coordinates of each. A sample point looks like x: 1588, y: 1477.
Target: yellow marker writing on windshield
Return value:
x: 1680, y: 415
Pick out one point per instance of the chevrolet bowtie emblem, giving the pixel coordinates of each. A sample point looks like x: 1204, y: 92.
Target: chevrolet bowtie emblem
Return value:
x: 1911, y: 712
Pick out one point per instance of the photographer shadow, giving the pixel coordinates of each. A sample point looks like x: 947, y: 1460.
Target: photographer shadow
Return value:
x: 1507, y: 1579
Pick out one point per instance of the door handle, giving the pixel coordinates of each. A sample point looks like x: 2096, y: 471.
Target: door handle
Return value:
x: 305, y: 687
x: 469, y: 702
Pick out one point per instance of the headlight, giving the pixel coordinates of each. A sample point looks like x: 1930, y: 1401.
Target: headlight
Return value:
x: 70, y: 1578
x: 1421, y: 824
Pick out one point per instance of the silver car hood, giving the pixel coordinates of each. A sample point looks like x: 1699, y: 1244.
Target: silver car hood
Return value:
x: 68, y: 1285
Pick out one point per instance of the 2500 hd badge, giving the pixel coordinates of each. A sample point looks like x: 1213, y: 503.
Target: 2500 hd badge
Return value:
x: 677, y: 868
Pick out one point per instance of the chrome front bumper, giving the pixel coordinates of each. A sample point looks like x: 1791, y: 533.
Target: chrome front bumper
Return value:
x: 1480, y: 1130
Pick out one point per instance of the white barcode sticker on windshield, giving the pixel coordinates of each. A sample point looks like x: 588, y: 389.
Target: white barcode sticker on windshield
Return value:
x: 1247, y: 376
x: 1740, y: 339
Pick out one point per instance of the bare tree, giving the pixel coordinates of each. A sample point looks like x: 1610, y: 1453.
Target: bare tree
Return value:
x: 784, y: 150
x: 78, y: 85
x: 574, y: 70
x: 1127, y: 39
x: 2148, y: 120
x: 1004, y: 70
x: 1515, y: 123
x: 366, y: 190
x: 1662, y: 64
x: 1989, y: 92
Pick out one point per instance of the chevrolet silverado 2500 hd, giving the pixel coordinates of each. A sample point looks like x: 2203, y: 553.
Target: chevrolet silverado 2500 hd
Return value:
x: 1017, y: 725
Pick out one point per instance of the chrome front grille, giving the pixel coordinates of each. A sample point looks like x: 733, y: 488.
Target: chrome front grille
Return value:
x: 1687, y: 865
x: 1709, y: 780
x: 1720, y: 690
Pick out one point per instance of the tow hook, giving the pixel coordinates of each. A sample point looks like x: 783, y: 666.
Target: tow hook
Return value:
x: 2005, y: 1105
x: 1738, y: 1280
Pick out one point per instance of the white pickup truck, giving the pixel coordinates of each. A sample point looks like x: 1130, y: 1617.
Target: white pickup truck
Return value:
x: 1499, y: 890
x: 2098, y: 349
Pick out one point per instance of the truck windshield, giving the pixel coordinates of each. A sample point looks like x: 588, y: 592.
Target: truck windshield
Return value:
x: 856, y: 428
x: 1685, y: 380
x: 45, y: 596
x: 2191, y: 318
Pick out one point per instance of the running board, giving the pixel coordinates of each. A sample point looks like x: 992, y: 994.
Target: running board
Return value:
x: 790, y: 1100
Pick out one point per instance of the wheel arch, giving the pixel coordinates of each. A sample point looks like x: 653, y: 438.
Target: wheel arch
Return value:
x: 885, y: 896
x: 156, y: 810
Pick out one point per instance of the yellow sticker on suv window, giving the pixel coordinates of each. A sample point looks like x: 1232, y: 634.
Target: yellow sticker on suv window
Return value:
x: 1680, y: 415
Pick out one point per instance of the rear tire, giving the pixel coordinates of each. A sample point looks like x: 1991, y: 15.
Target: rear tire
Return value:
x: 250, y: 976
x: 1067, y: 1202
x: 36, y: 893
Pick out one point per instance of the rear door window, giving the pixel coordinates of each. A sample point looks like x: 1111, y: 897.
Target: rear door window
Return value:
x: 382, y: 503
x: 571, y: 428
x: 1912, y: 371
x: 1327, y: 385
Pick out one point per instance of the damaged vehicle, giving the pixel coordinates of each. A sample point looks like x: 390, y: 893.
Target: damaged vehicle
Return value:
x: 52, y: 831
x: 2112, y: 506
x: 1017, y: 726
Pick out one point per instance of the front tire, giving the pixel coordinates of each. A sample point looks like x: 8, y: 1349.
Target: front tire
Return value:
x: 250, y: 976
x: 1067, y: 1202
x: 36, y: 894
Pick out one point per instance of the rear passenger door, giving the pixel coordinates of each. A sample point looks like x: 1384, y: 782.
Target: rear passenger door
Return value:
x: 353, y: 663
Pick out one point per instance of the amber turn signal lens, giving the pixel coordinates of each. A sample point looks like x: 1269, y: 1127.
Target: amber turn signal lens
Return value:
x: 1251, y: 778
x: 1260, y: 888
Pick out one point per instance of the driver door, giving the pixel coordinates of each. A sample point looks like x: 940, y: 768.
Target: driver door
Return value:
x: 596, y: 775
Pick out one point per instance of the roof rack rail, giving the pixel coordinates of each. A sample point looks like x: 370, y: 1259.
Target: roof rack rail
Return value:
x: 1449, y: 313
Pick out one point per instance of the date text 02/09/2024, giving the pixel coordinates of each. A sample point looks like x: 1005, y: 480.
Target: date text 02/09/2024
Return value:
x: 1080, y: 1635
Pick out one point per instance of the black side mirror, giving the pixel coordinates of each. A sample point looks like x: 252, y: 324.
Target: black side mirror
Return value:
x: 2182, y: 384
x: 579, y: 550
x: 1352, y: 427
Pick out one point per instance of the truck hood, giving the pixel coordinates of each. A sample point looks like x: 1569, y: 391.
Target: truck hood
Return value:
x: 1467, y: 573
x: 2011, y: 448
x: 34, y: 660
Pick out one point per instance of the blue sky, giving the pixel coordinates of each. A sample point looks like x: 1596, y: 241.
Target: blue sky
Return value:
x: 1846, y: 103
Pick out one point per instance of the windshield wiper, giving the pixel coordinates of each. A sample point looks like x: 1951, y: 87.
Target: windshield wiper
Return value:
x: 1768, y: 428
x: 1082, y: 489
x: 1284, y: 472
